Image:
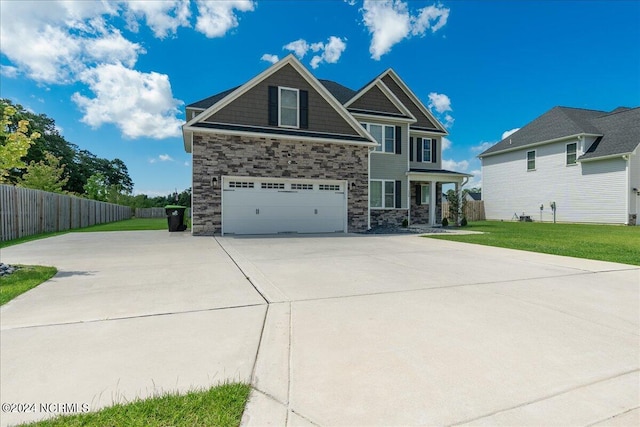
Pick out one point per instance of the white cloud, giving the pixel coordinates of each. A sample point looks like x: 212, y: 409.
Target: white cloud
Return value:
x: 430, y: 17
x: 329, y: 52
x: 165, y: 158
x: 482, y: 147
x: 216, y: 17
x: 508, y: 133
x: 113, y: 48
x: 9, y: 71
x: 139, y: 104
x: 460, y: 166
x: 446, y: 143
x: 476, y: 180
x: 187, y: 164
x: 390, y: 22
x: 270, y: 58
x: 163, y: 17
x: 448, y: 120
x: 440, y: 102
x: 298, y: 47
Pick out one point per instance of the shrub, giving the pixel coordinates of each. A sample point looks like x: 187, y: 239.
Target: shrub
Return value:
x: 463, y: 223
x: 405, y: 223
x: 445, y: 222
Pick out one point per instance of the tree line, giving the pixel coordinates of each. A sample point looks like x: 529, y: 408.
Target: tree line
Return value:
x: 33, y: 154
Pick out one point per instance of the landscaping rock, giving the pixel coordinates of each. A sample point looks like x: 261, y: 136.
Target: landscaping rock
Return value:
x: 6, y: 269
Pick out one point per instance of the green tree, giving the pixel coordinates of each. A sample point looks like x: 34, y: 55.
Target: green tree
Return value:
x: 46, y: 175
x: 14, y: 142
x: 96, y: 187
x: 457, y: 203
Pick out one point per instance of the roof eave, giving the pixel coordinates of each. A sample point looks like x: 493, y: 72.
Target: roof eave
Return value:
x: 535, y: 144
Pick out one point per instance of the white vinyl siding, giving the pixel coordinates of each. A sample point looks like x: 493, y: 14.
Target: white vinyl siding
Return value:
x: 588, y: 192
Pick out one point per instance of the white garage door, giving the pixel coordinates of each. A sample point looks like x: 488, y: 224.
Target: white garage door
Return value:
x: 275, y: 205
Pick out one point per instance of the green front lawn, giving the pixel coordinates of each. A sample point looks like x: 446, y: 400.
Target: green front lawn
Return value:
x: 219, y: 406
x: 602, y: 242
x: 133, y: 224
x: 27, y: 277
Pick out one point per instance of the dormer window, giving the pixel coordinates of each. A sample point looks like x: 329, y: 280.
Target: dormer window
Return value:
x: 288, y: 107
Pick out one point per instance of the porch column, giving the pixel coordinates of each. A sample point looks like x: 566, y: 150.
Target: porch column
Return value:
x: 459, y: 202
x: 432, y: 203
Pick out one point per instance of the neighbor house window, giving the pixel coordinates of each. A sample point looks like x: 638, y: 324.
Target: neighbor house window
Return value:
x: 289, y: 106
x: 572, y: 150
x: 531, y: 160
x: 384, y: 135
x: 424, y: 194
x: 426, y: 150
x: 383, y: 194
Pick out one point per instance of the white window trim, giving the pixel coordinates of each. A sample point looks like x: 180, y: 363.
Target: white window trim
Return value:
x: 430, y: 153
x: 535, y: 159
x: 382, y: 144
x: 422, y: 193
x: 566, y: 154
x: 383, y: 182
x: 297, y: 91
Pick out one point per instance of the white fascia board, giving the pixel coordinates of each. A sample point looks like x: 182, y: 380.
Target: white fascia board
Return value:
x: 378, y: 117
x: 420, y: 132
x: 279, y: 136
x: 440, y: 177
x: 536, y: 144
x: 610, y: 156
x: 414, y: 98
x: 187, y: 139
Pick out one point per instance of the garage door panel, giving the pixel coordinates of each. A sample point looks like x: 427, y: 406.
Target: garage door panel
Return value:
x: 280, y: 206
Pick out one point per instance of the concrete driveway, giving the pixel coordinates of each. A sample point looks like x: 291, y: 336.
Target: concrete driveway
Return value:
x: 358, y: 330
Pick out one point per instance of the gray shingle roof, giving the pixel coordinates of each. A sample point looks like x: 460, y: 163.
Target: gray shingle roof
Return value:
x: 208, y: 102
x: 620, y: 130
x: 341, y: 93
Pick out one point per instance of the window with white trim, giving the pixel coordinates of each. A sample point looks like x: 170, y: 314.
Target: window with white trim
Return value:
x: 531, y: 160
x: 424, y: 194
x: 383, y: 194
x: 572, y: 153
x: 385, y: 136
x: 289, y: 105
x: 426, y: 150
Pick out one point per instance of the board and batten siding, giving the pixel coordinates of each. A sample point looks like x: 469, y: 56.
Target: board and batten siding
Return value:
x: 592, y: 192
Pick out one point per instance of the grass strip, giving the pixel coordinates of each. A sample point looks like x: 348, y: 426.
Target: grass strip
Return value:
x: 219, y: 406
x: 133, y: 224
x: 27, y: 277
x: 600, y: 242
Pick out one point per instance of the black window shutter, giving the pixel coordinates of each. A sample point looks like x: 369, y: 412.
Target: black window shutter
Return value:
x: 434, y: 155
x: 304, y: 109
x: 419, y: 152
x: 411, y: 149
x: 273, y: 106
x: 398, y: 140
x: 398, y: 195
x: 418, y: 194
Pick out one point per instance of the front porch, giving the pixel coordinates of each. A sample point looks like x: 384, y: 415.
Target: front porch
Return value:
x: 425, y: 193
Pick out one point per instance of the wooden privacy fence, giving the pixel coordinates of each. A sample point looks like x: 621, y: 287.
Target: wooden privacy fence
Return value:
x: 155, y: 213
x: 473, y: 211
x: 24, y: 212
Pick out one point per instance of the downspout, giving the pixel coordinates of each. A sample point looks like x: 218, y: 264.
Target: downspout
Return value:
x: 627, y: 158
x: 369, y: 188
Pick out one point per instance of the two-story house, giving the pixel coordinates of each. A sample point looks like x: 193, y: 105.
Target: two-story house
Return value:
x: 286, y: 152
x: 569, y: 165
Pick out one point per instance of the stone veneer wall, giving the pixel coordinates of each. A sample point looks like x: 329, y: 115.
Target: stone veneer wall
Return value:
x: 215, y: 155
x: 388, y: 217
x: 420, y: 213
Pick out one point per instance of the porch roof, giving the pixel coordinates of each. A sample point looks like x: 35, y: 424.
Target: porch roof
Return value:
x: 439, y: 175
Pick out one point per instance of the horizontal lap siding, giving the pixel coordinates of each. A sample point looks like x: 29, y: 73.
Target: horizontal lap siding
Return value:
x: 25, y: 212
x: 587, y: 192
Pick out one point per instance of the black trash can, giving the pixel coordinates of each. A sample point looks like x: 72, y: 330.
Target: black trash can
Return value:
x: 175, y: 217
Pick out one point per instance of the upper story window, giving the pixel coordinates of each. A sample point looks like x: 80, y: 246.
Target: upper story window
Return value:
x: 288, y: 107
x: 385, y: 135
x: 426, y: 150
x: 531, y: 160
x: 572, y: 153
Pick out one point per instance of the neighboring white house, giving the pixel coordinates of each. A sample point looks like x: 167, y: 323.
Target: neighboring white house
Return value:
x: 586, y: 162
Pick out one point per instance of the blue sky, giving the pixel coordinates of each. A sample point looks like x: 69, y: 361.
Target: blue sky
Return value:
x: 116, y: 75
